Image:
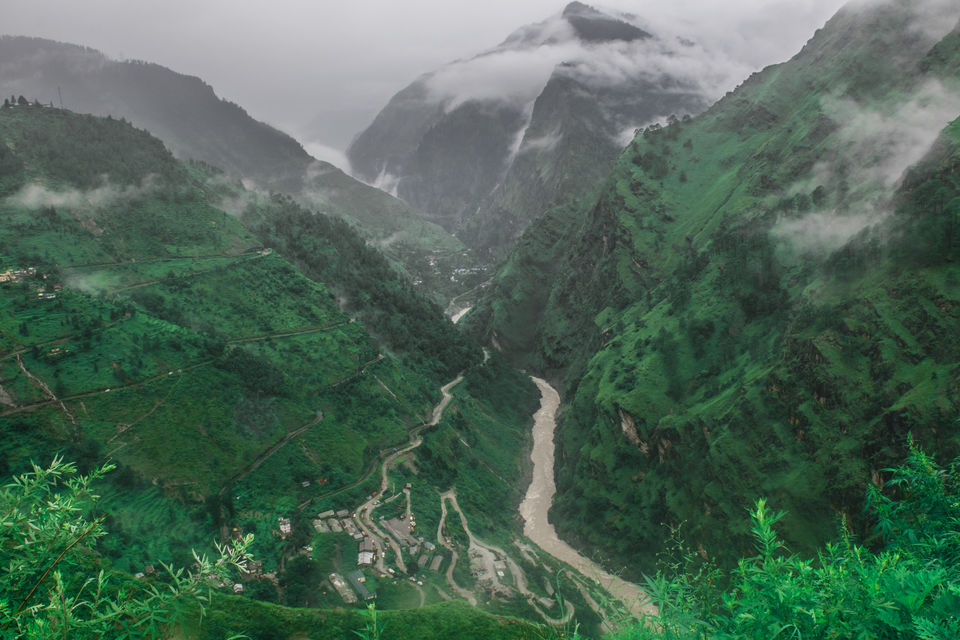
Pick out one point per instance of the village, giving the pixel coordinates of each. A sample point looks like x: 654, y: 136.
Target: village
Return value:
x: 29, y: 274
x: 400, y: 534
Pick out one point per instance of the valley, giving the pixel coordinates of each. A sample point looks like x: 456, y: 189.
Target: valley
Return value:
x: 595, y: 351
x: 489, y: 564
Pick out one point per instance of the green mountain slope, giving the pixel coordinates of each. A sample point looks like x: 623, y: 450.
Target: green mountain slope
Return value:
x: 246, y: 371
x: 185, y: 113
x: 760, y: 302
x: 148, y: 326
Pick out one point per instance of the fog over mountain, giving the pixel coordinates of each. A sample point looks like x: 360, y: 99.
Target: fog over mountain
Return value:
x: 321, y: 71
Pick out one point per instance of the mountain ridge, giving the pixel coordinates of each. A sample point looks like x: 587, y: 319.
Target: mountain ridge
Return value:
x: 716, y: 297
x: 187, y: 115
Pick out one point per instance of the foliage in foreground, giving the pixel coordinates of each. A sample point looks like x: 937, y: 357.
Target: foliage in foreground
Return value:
x: 910, y: 588
x: 52, y: 586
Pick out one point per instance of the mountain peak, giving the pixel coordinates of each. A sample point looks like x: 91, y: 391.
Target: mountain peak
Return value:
x: 592, y: 25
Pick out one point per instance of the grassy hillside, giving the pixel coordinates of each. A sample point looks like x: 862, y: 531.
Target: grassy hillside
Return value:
x: 760, y: 302
x: 441, y: 621
x: 240, y: 369
x: 146, y: 319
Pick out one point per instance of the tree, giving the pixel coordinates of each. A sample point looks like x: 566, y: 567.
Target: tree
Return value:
x: 52, y: 585
x: 908, y: 588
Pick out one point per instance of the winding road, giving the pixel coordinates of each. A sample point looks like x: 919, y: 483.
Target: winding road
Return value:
x: 536, y: 505
x: 364, y: 513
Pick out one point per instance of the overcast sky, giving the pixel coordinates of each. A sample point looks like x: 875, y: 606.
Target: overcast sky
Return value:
x: 325, y: 67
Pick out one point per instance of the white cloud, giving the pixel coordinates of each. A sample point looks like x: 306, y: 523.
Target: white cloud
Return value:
x: 823, y: 232
x: 875, y: 146
x: 882, y: 143
x: 543, y: 143
x: 36, y: 195
x: 515, y: 76
x: 336, y: 157
x: 321, y: 56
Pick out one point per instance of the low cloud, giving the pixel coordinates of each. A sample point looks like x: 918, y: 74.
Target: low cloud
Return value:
x: 876, y: 145
x: 668, y: 62
x: 884, y: 143
x: 387, y: 182
x: 822, y: 233
x: 513, y: 76
x: 37, y: 196
x: 327, y: 153
x: 543, y: 143
x: 517, y: 71
x: 931, y: 19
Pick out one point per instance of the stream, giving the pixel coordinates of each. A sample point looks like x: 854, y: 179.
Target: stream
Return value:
x: 536, y: 505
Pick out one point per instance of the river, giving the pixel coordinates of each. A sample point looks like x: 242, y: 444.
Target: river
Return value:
x: 536, y: 505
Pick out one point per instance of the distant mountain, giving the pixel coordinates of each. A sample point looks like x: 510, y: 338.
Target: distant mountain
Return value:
x: 194, y: 123
x: 760, y: 302
x: 181, y: 110
x: 483, y: 146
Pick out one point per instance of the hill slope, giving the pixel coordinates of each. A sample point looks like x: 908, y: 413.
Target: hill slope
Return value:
x: 248, y: 373
x: 760, y: 302
x: 185, y: 113
x: 137, y: 317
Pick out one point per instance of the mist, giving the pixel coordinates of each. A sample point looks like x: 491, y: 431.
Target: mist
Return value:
x: 877, y: 146
x: 36, y: 196
x: 321, y: 71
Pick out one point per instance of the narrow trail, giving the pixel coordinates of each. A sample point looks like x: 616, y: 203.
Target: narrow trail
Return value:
x: 161, y: 376
x: 536, y: 505
x: 455, y: 318
x: 97, y: 392
x: 40, y: 383
x: 451, y: 312
x: 251, y: 253
x: 466, y: 594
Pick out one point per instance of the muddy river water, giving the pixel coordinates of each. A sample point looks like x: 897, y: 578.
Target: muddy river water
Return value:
x: 539, y: 496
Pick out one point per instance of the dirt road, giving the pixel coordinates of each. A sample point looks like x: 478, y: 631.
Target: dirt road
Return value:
x: 365, y: 511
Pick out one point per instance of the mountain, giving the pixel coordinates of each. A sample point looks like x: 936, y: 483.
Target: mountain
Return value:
x: 143, y: 324
x: 483, y: 146
x: 185, y: 113
x: 760, y: 302
x: 249, y: 364
x: 181, y: 110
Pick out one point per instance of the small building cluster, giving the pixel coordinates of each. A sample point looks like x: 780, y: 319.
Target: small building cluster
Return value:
x: 13, y: 276
x: 17, y: 275
x: 286, y: 527
x: 357, y: 580
x: 336, y: 522
x: 367, y: 553
x: 342, y: 588
x: 14, y: 101
x: 353, y: 586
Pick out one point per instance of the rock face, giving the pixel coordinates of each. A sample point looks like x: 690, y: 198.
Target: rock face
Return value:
x: 485, y: 145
